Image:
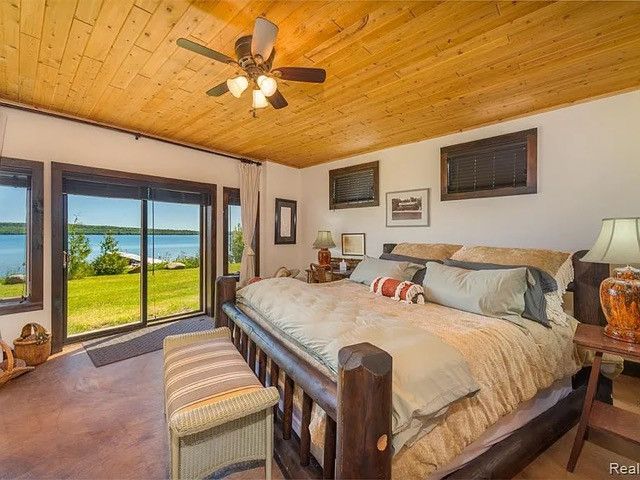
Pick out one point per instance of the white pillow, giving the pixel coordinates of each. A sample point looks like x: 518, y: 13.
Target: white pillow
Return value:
x: 493, y: 293
x: 370, y: 268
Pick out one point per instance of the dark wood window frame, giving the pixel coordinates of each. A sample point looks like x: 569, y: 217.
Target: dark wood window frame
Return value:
x: 231, y: 196
x: 34, y: 223
x: 60, y: 171
x: 529, y: 137
x: 337, y: 172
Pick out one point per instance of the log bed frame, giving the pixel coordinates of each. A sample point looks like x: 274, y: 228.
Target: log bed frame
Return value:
x: 357, y: 440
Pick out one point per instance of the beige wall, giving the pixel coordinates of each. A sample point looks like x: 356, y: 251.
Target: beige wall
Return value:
x: 47, y: 139
x: 588, y: 168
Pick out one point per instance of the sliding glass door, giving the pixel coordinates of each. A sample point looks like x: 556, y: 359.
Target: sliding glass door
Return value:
x: 174, y: 246
x: 134, y: 251
x: 102, y: 259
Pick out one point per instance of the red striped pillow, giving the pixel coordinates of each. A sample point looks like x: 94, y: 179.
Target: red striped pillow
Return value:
x: 406, y: 292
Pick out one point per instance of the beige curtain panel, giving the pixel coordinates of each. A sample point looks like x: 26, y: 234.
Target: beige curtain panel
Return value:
x: 249, y: 191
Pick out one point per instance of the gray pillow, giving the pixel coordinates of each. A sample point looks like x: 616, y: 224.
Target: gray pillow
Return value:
x: 370, y: 268
x: 418, y: 277
x: 538, y: 283
x: 493, y: 293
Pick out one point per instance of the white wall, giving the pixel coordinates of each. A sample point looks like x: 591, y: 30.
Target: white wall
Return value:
x: 588, y: 168
x: 279, y: 181
x: 39, y: 137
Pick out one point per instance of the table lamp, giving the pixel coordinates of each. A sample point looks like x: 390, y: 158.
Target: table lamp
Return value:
x: 324, y: 242
x: 619, y: 244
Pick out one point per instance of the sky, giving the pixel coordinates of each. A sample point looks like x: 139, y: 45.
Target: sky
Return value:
x: 13, y: 204
x: 107, y: 211
x: 126, y: 213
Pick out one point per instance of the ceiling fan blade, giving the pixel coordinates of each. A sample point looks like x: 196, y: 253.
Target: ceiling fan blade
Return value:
x: 264, y: 38
x: 202, y: 50
x: 301, y: 74
x: 218, y: 90
x: 277, y: 100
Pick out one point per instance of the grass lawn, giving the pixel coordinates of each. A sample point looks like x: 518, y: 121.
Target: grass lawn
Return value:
x: 111, y: 300
x: 11, y: 291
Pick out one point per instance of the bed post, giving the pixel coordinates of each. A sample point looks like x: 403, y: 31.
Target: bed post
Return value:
x: 364, y: 413
x: 225, y: 292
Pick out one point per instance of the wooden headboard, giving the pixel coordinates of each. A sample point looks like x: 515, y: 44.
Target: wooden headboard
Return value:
x: 585, y: 287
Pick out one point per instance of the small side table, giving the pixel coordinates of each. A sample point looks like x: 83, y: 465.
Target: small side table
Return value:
x: 595, y: 414
x: 336, y: 274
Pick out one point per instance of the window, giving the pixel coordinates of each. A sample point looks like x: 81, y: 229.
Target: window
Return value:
x: 232, y: 224
x: 21, y: 207
x: 354, y: 187
x: 492, y: 167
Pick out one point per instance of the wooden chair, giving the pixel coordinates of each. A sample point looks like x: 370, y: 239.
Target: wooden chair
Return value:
x: 320, y: 273
x: 11, y: 367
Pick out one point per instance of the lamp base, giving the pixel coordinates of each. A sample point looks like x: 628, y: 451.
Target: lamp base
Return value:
x: 620, y: 300
x: 324, y: 257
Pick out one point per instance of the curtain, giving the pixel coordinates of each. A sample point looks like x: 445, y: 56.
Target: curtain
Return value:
x: 249, y: 191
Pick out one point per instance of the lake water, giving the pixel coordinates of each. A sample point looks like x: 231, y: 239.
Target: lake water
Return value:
x: 167, y: 247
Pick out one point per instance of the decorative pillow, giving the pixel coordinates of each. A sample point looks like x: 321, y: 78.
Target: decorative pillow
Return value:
x: 253, y: 280
x: 493, y: 293
x: 557, y: 264
x: 406, y: 292
x: 435, y: 251
x: 538, y: 283
x: 285, y: 272
x: 370, y: 268
x: 418, y: 277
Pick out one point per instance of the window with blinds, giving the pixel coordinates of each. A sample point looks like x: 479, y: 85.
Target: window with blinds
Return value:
x: 497, y: 166
x: 354, y: 187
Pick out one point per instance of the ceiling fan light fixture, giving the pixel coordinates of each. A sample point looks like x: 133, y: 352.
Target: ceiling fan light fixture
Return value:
x: 237, y: 85
x: 259, y: 100
x: 268, y: 85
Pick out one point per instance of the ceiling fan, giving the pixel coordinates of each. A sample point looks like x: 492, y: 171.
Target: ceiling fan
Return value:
x: 255, y: 55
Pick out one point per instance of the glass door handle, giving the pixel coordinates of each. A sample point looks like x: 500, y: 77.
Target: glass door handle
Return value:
x: 65, y: 259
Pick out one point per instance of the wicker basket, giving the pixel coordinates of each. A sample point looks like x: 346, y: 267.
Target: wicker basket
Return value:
x: 11, y: 367
x: 34, y: 344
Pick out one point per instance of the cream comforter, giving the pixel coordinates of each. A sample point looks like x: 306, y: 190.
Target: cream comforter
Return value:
x: 509, y: 363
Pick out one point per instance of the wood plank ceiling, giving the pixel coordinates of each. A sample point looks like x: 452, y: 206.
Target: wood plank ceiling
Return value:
x: 398, y: 72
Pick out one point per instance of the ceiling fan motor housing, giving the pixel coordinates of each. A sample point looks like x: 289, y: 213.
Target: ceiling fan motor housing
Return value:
x: 246, y: 60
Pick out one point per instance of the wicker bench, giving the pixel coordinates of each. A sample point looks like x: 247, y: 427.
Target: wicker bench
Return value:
x: 218, y: 413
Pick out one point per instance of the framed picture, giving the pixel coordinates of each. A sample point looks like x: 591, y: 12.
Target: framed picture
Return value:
x: 408, y: 208
x: 354, y: 244
x: 286, y: 221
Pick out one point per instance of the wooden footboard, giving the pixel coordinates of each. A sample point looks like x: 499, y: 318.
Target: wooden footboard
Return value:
x: 357, y: 440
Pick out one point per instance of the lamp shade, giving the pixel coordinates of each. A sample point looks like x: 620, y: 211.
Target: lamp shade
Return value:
x: 268, y: 85
x: 259, y: 100
x: 618, y: 242
x: 324, y: 240
x: 237, y: 85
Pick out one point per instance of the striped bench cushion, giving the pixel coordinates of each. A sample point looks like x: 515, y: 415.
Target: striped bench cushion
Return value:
x: 205, y: 372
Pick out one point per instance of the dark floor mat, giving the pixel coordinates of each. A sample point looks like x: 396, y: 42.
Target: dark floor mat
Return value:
x: 138, y: 342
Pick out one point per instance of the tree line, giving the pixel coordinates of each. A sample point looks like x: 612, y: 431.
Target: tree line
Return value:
x: 15, y: 228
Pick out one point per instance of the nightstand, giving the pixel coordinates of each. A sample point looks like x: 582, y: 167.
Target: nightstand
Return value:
x: 597, y: 415
x: 336, y: 274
